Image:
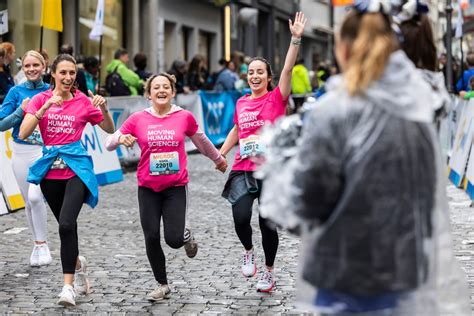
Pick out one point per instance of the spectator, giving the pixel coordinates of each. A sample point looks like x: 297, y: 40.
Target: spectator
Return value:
x: 227, y: 78
x: 212, y: 79
x: 463, y: 82
x: 197, y: 73
x: 179, y: 70
x: 6, y: 80
x: 47, y: 70
x: 129, y: 77
x: 91, y: 72
x: 140, y: 62
x: 300, y: 84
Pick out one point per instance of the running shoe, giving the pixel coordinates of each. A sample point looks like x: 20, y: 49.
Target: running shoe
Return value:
x: 249, y: 267
x: 34, y: 258
x: 44, y: 256
x: 266, y: 282
x: 160, y: 293
x: 190, y: 244
x: 67, y: 297
x: 81, y: 281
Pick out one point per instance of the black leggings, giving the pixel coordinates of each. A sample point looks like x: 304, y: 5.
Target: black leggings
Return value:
x: 65, y: 198
x: 242, y: 212
x: 171, y: 205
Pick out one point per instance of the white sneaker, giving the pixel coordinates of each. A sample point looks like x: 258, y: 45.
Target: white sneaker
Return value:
x: 81, y: 282
x: 249, y: 267
x: 266, y: 282
x: 67, y: 297
x: 34, y: 258
x: 44, y: 256
x: 160, y: 293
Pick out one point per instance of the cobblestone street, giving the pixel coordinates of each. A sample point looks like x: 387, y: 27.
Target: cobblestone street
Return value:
x: 112, y: 240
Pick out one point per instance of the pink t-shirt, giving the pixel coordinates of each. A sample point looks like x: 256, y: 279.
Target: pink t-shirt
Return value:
x: 249, y: 116
x: 64, y: 124
x: 163, y: 162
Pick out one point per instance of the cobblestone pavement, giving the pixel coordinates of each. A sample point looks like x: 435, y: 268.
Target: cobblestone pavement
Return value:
x: 110, y: 237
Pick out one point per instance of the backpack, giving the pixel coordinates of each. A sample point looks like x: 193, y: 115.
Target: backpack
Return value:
x: 115, y: 85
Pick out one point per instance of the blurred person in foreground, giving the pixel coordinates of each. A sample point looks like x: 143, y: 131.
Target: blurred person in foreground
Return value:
x: 366, y: 185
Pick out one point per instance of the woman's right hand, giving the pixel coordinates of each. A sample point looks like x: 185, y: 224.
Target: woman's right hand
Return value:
x: 24, y: 104
x: 55, y: 99
x: 127, y: 140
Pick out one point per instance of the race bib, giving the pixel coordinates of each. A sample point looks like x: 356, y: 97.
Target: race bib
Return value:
x: 251, y: 146
x: 59, y: 163
x: 35, y: 138
x: 164, y: 163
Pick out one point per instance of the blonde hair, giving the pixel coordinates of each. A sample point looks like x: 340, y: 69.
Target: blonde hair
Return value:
x: 35, y: 54
x: 372, y: 41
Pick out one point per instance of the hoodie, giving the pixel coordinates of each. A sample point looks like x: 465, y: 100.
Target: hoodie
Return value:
x: 363, y: 183
x: 129, y: 77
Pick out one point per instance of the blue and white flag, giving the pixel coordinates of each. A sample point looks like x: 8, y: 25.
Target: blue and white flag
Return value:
x: 98, y: 28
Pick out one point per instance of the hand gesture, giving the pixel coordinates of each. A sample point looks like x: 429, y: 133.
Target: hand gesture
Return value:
x: 24, y: 104
x: 127, y: 140
x: 56, y: 99
x: 297, y: 28
x: 222, y: 167
x: 98, y: 100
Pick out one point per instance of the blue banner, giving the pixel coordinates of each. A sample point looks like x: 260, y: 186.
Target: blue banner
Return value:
x: 218, y: 113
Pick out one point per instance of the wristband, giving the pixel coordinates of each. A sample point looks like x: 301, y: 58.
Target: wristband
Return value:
x: 38, y: 117
x: 296, y: 41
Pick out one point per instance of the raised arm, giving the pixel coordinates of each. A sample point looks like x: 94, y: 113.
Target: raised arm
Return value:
x: 296, y: 30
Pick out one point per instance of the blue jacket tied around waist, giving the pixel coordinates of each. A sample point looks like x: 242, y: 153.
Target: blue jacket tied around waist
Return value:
x: 77, y: 158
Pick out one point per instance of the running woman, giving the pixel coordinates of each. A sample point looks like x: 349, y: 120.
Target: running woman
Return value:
x: 262, y: 106
x: 160, y: 131
x: 26, y: 152
x: 65, y: 171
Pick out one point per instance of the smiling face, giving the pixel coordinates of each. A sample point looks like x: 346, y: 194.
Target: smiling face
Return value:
x: 161, y: 91
x: 64, y: 76
x: 33, y: 68
x: 257, y: 76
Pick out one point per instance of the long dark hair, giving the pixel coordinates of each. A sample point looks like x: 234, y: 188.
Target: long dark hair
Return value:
x: 54, y: 65
x: 418, y: 42
x: 269, y: 70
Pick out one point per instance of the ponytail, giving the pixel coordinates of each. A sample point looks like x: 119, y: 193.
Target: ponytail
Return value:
x: 371, y: 42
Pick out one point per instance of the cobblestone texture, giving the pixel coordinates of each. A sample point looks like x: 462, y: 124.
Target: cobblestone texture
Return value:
x: 111, y: 238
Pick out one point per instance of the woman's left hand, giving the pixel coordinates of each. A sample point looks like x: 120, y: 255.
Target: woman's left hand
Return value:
x: 98, y: 100
x: 222, y: 166
x: 297, y: 28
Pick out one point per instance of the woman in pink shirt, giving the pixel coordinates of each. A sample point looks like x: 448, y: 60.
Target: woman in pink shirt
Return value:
x: 253, y: 111
x: 162, y: 175
x: 65, y: 171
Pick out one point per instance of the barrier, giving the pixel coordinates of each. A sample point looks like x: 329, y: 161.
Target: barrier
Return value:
x: 218, y: 114
x: 10, y: 190
x: 462, y: 142
x: 106, y: 165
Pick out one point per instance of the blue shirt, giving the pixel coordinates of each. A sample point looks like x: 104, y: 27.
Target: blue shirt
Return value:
x: 463, y: 83
x: 13, y: 100
x: 76, y: 157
